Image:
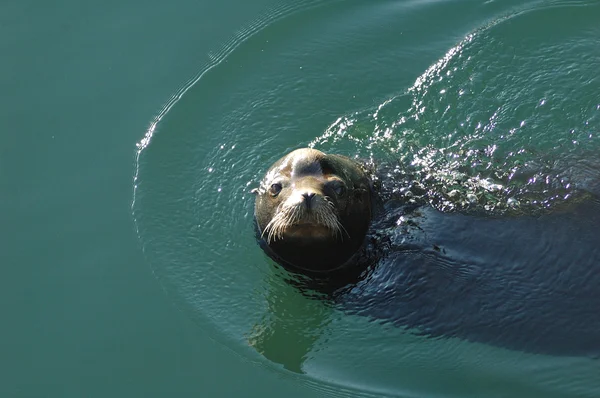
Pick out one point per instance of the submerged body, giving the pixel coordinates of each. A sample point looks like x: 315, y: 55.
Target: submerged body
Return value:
x: 526, y: 283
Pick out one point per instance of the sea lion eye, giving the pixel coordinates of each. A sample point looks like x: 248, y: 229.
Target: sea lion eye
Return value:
x: 275, y: 189
x: 339, y: 189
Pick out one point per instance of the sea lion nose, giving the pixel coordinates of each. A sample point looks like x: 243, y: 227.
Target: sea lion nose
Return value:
x: 308, y: 198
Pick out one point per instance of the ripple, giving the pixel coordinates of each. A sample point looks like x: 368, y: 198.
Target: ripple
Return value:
x: 494, y: 122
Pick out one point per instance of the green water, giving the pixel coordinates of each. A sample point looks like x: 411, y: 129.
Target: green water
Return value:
x: 133, y: 134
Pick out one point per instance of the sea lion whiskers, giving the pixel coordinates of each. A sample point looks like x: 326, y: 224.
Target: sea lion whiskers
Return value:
x: 335, y: 224
x: 285, y: 215
x: 327, y: 216
x: 275, y: 227
x: 272, y: 227
x: 289, y: 215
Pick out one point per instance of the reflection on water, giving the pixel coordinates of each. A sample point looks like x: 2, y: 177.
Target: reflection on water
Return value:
x: 289, y: 329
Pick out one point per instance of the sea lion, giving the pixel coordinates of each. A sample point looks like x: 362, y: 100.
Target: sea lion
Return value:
x: 313, y: 210
x: 524, y: 281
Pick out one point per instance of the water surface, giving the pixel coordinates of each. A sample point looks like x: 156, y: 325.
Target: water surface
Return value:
x: 133, y: 135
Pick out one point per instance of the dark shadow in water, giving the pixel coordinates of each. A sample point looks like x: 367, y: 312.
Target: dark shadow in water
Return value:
x: 524, y: 283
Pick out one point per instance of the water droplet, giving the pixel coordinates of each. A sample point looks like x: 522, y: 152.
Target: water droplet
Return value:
x: 512, y: 202
x: 453, y: 193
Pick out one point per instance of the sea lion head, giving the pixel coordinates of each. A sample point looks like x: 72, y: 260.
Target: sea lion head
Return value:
x: 313, y: 210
